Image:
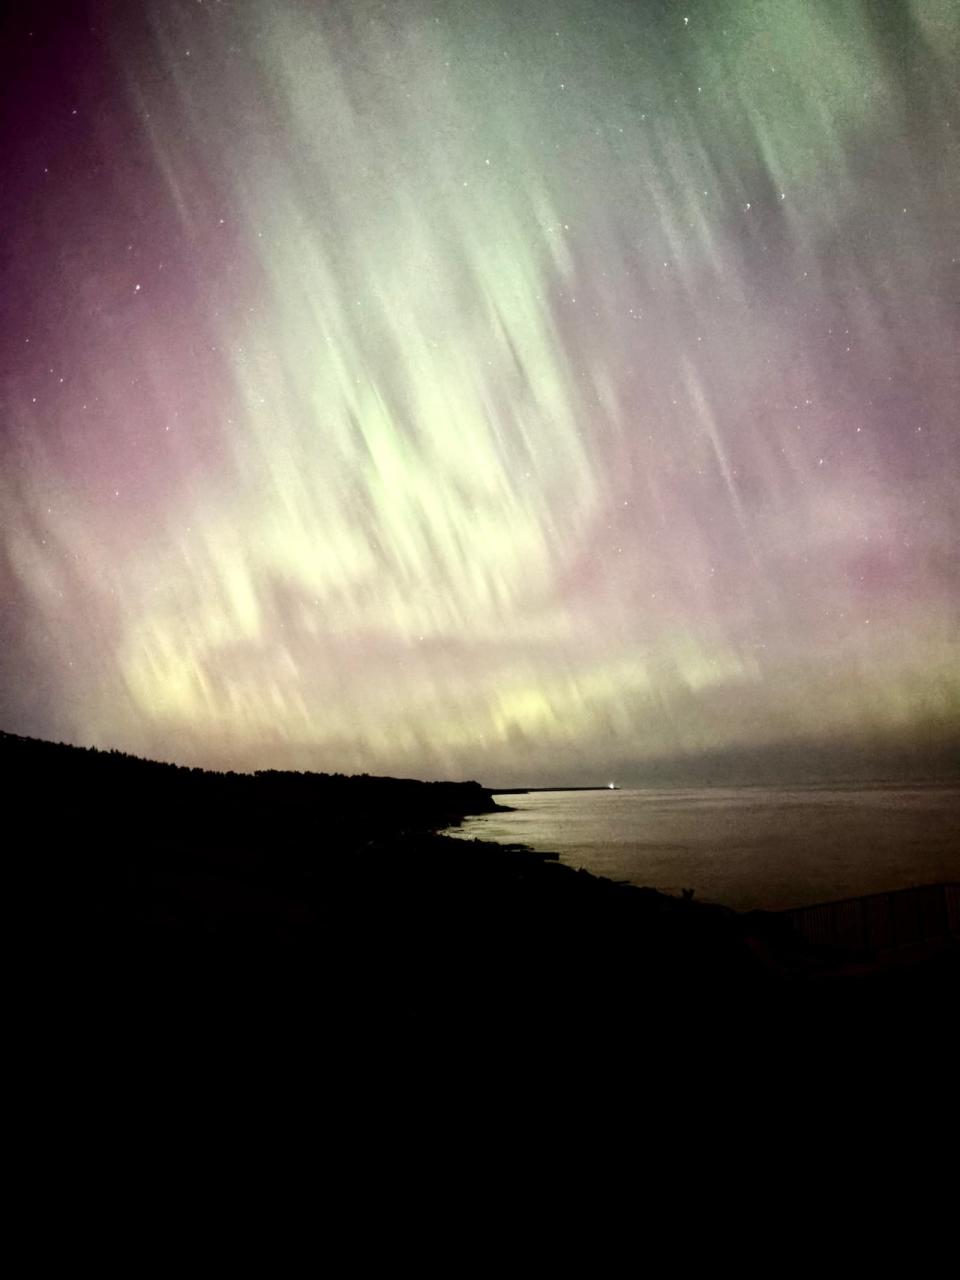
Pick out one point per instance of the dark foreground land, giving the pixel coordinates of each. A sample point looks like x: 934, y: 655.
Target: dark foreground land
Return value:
x: 224, y: 988
x: 144, y: 890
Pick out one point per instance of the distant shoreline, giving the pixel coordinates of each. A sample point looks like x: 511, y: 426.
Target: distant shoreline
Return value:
x: 529, y: 791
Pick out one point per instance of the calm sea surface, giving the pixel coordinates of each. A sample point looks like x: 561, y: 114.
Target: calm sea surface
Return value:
x: 747, y: 846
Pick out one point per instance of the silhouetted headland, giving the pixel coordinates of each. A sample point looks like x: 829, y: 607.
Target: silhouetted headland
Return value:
x: 142, y: 882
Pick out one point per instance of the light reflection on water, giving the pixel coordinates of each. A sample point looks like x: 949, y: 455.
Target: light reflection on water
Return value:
x: 770, y: 847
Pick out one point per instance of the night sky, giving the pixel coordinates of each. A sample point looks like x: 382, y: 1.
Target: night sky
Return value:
x: 527, y: 391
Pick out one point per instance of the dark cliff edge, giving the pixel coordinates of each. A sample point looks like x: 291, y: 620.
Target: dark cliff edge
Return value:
x: 141, y: 890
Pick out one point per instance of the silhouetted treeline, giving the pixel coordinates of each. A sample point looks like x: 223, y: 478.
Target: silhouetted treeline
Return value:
x: 124, y: 797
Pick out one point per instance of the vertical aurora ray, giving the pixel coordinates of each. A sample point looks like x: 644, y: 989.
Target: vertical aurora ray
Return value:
x: 455, y: 389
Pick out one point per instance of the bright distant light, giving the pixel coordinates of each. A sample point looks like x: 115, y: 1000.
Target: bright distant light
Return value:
x: 611, y: 787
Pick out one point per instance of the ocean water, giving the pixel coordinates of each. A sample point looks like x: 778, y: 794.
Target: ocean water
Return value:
x: 745, y: 847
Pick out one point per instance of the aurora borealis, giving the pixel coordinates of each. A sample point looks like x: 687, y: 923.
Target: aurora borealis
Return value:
x: 482, y: 389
